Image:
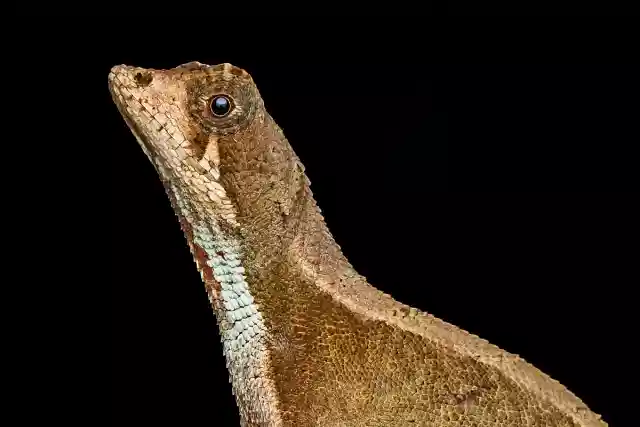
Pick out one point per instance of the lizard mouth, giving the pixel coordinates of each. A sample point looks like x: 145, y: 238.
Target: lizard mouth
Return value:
x: 131, y: 123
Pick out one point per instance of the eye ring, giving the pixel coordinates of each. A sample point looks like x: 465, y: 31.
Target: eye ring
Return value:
x: 220, y: 105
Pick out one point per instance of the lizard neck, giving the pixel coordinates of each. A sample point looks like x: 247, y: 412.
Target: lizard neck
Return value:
x: 280, y: 224
x: 302, y: 244
x: 297, y: 258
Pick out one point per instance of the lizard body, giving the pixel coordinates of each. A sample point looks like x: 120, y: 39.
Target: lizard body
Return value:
x: 308, y: 342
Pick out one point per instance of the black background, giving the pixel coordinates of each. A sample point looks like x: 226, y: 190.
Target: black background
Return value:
x: 485, y: 172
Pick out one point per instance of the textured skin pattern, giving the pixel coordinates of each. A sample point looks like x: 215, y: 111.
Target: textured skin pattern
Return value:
x: 308, y: 342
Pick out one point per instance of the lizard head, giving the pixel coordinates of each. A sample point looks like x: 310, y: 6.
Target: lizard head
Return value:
x: 219, y: 154
x: 181, y: 117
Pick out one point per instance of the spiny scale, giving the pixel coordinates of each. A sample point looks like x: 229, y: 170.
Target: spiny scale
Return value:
x: 308, y: 342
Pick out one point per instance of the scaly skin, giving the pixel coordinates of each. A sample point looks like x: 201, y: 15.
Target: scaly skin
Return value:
x: 308, y: 341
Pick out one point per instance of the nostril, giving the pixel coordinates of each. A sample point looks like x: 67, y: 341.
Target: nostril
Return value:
x: 143, y: 79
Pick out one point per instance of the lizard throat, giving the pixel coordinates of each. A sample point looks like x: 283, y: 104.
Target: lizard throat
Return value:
x: 219, y: 259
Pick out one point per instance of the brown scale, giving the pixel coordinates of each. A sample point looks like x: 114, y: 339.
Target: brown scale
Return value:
x: 340, y: 352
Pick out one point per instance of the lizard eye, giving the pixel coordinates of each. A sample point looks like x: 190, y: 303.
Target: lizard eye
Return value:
x: 220, y: 105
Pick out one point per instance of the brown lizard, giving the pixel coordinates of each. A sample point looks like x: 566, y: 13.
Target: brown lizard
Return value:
x: 308, y: 342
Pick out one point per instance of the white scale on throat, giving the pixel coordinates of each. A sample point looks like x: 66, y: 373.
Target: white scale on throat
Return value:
x: 242, y: 328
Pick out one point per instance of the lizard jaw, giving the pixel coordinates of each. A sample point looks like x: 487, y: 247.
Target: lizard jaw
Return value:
x: 152, y: 103
x: 119, y: 98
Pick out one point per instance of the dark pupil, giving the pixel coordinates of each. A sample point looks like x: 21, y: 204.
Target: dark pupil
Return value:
x: 220, y: 105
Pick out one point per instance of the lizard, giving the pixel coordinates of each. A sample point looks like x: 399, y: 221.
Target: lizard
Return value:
x: 307, y: 340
